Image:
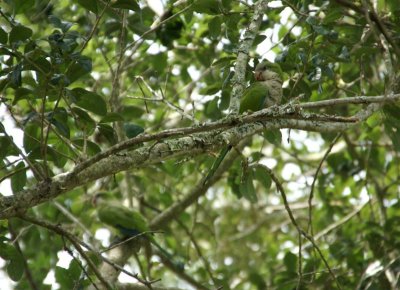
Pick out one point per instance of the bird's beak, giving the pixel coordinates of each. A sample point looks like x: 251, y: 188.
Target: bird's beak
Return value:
x: 258, y: 75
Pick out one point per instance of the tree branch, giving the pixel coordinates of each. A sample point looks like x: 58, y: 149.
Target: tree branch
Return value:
x: 276, y: 117
x: 243, y: 55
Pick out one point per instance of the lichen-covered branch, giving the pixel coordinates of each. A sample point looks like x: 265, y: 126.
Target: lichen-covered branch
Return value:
x: 189, y: 145
x: 243, y: 55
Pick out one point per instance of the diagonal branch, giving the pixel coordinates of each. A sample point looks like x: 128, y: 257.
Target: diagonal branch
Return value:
x: 188, y: 145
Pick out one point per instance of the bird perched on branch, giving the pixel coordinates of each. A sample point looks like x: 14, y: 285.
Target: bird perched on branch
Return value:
x: 266, y: 91
x: 128, y: 222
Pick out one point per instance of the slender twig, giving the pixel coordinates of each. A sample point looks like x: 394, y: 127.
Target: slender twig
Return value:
x: 157, y: 24
x: 77, y: 244
x: 96, y: 24
x: 295, y: 224
x: 337, y: 224
x: 299, y: 264
x: 72, y: 217
x: 68, y: 250
x: 28, y: 273
x: 37, y: 173
x: 163, y: 99
x: 73, y: 240
x: 374, y: 17
x: 310, y: 198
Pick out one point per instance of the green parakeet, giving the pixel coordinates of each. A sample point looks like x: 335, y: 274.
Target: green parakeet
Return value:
x: 126, y: 221
x: 265, y: 92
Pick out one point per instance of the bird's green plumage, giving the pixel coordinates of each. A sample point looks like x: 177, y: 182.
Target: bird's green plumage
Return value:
x: 128, y: 222
x: 266, y: 91
x: 119, y: 217
x: 254, y: 97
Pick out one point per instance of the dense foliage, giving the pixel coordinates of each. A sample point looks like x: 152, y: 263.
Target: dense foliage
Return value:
x: 127, y: 98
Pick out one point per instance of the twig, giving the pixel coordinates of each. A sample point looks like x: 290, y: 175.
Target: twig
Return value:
x: 374, y: 17
x: 98, y: 18
x: 310, y: 198
x: 28, y: 273
x: 165, y: 101
x: 336, y: 224
x: 72, y: 217
x: 73, y: 240
x: 294, y: 222
x: 77, y: 244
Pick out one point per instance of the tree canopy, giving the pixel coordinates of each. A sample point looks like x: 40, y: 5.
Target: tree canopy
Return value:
x: 135, y: 100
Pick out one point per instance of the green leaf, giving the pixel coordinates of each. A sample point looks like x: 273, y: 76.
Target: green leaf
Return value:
x: 18, y: 180
x: 214, y: 27
x: 211, y: 89
x: 206, y: 6
x: 332, y: 15
x: 7, y: 149
x: 22, y: 94
x: 232, y: 30
x: 261, y: 174
x: 20, y: 33
x: 62, y: 128
x: 259, y: 39
x: 74, y: 270
x: 319, y: 29
x: 92, y: 148
x: 274, y: 136
x: 15, y: 267
x: 90, y: 5
x: 81, y: 66
x: 211, y: 109
x: 83, y: 120
x: 290, y: 261
x: 132, y: 130
x: 60, y: 159
x: 246, y: 187
x: 112, y: 117
x: 31, y: 134
x: 22, y: 6
x: 224, y: 61
x: 40, y: 64
x: 89, y: 101
x: 131, y: 112
x: 108, y: 132
x: 15, y: 263
x: 3, y: 36
x: 58, y: 23
x: 15, y: 76
x: 64, y: 278
x: 126, y: 4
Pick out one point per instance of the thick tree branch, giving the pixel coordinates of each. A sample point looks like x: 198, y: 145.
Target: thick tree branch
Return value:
x: 286, y: 116
x: 222, y: 124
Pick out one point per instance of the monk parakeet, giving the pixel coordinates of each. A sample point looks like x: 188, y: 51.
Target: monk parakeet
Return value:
x: 126, y: 221
x: 266, y: 91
